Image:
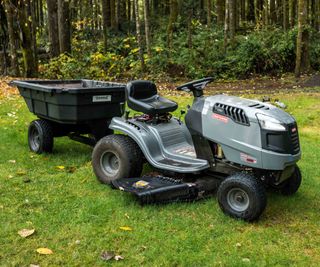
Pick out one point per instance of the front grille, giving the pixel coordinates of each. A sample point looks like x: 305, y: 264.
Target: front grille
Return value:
x: 236, y: 114
x: 294, y: 138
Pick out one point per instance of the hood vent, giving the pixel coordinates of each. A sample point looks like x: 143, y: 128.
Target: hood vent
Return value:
x: 258, y: 106
x: 236, y: 114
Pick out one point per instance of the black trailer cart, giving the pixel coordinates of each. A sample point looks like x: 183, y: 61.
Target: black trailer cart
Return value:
x: 80, y: 109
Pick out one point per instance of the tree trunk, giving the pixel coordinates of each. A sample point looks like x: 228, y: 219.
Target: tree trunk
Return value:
x: 258, y: 12
x: 232, y: 19
x: 52, y: 7
x: 292, y: 12
x: 209, y: 5
x: 220, y: 10
x: 26, y: 41
x: 243, y: 11
x: 279, y: 10
x: 273, y: 14
x: 172, y: 20
x: 113, y: 15
x: 136, y: 9
x: 285, y: 8
x: 12, y: 38
x: 146, y: 25
x: 64, y: 26
x: 105, y: 22
x: 226, y: 25
x: 251, y: 11
x: 302, y: 54
x: 117, y: 18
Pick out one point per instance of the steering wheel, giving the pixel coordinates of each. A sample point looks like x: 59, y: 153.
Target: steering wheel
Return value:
x: 196, y: 87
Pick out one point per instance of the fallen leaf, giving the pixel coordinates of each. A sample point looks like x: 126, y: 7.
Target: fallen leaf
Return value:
x: 246, y: 260
x: 21, y: 173
x: 77, y: 242
x: 71, y: 169
x: 44, y: 251
x: 13, y: 161
x: 125, y: 228
x: 107, y: 255
x: 238, y: 245
x: 34, y: 265
x: 26, y: 232
x: 60, y: 167
x: 118, y: 257
x: 10, y: 176
x: 26, y: 180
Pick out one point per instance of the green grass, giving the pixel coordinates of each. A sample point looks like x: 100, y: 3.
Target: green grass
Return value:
x: 78, y: 218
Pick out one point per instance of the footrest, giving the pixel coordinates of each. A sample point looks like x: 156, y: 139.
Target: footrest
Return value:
x: 158, y: 189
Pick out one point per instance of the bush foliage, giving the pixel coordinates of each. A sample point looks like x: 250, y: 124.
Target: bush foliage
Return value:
x: 268, y: 51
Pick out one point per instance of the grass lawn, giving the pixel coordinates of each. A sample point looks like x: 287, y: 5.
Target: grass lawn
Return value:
x: 78, y: 218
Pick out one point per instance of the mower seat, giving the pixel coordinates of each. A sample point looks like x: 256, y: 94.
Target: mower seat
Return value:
x: 143, y: 96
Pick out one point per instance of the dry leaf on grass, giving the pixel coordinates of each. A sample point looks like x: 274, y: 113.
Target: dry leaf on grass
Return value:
x: 44, y: 251
x: 34, y: 265
x: 13, y: 161
x: 118, y: 257
x: 109, y: 255
x: 21, y: 173
x: 125, y: 228
x: 60, y: 167
x: 26, y: 232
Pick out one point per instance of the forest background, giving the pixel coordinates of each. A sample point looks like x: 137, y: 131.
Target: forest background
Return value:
x: 158, y: 39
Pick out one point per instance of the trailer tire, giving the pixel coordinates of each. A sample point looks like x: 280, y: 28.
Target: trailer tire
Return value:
x: 242, y: 196
x: 292, y: 184
x: 115, y: 157
x: 40, y: 136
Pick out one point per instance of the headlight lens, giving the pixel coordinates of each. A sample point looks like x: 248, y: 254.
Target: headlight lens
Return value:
x: 269, y: 123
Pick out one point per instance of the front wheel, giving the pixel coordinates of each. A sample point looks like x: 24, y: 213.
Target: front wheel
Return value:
x: 115, y: 157
x: 242, y: 196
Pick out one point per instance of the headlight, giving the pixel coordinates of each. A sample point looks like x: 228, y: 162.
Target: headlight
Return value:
x: 269, y: 123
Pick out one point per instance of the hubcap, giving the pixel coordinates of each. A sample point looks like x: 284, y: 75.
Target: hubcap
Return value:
x: 238, y: 199
x: 109, y: 163
x: 34, y: 139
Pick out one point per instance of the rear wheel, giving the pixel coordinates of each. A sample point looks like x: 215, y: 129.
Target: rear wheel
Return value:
x: 115, y: 157
x: 40, y: 136
x: 292, y: 184
x: 242, y: 196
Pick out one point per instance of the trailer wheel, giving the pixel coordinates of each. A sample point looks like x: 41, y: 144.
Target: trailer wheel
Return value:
x: 40, y: 136
x: 292, y: 184
x: 242, y: 196
x: 115, y: 157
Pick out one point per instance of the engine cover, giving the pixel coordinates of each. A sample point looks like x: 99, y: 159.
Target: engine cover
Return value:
x: 232, y: 122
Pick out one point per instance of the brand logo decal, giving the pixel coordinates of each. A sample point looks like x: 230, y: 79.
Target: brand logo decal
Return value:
x: 101, y: 98
x: 220, y: 117
x: 248, y: 159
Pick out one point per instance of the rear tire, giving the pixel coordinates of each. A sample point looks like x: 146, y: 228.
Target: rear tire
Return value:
x: 292, y: 184
x: 242, y: 196
x: 115, y: 157
x: 40, y: 136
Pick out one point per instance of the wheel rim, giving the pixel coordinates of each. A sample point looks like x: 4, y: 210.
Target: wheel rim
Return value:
x: 34, y: 139
x: 238, y: 199
x: 109, y: 163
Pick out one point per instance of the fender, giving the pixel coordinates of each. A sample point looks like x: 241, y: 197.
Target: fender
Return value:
x: 151, y: 145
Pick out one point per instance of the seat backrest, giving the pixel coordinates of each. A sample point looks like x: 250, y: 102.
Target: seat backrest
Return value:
x: 140, y: 89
